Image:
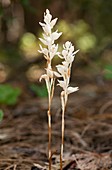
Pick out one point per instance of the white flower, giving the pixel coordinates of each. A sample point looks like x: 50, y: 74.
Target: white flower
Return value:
x: 53, y: 22
x: 47, y: 29
x: 66, y: 64
x: 55, y: 35
x: 62, y: 84
x: 67, y: 45
x: 57, y: 74
x: 64, y: 53
x: 76, y: 52
x: 53, y: 51
x: 43, y: 41
x: 49, y: 39
x: 49, y: 72
x: 44, y: 51
x: 68, y: 52
x: 47, y: 20
x: 62, y: 69
x: 47, y: 16
x: 44, y: 76
x: 72, y: 89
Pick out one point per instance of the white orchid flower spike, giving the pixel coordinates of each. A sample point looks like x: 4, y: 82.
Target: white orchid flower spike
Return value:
x: 50, y: 50
x: 64, y: 71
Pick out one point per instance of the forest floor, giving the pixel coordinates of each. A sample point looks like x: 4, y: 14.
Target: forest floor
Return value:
x: 88, y: 130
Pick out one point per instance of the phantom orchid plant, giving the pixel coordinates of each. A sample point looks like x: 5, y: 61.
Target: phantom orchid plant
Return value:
x: 64, y: 71
x: 49, y: 52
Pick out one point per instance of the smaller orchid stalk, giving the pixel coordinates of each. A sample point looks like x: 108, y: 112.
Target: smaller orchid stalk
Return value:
x: 64, y: 71
x: 49, y: 51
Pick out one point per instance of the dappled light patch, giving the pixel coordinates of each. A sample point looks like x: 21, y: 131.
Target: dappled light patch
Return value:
x: 33, y: 73
x: 28, y: 45
x: 4, y: 72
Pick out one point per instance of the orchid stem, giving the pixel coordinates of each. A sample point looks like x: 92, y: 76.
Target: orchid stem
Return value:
x: 49, y: 144
x: 62, y: 141
x: 64, y: 102
x: 49, y: 124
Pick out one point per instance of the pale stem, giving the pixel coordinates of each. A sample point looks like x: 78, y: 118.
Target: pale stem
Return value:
x: 49, y: 130
x: 52, y: 92
x: 62, y: 141
x: 49, y: 121
x: 63, y: 124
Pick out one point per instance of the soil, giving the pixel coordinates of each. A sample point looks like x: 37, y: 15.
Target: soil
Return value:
x: 88, y: 131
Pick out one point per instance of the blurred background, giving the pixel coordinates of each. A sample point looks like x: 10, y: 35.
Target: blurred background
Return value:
x: 87, y: 24
x: 23, y: 99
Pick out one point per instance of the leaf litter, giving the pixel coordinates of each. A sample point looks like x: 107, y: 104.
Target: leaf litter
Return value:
x: 88, y: 133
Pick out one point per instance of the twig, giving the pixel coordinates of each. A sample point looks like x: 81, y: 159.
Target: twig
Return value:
x: 11, y: 167
x: 105, y: 106
x: 15, y: 167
